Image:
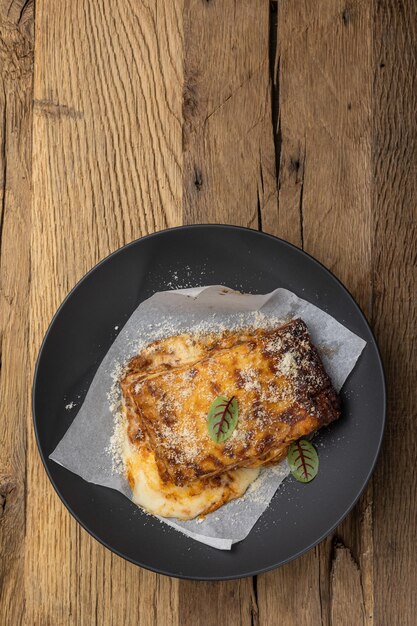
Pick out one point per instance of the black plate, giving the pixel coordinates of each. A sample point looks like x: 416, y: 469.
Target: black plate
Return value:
x: 84, y: 328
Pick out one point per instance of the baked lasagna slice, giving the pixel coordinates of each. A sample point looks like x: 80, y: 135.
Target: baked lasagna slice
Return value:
x: 157, y: 495
x: 276, y: 376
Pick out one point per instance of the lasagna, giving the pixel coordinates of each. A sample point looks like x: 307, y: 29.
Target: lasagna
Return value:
x: 274, y: 376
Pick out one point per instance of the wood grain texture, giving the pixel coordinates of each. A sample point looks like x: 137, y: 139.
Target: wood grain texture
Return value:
x: 347, y: 606
x: 106, y: 169
x: 227, y: 140
x: 292, y: 116
x: 16, y: 67
x: 323, y: 77
x: 214, y: 603
x: 394, y: 306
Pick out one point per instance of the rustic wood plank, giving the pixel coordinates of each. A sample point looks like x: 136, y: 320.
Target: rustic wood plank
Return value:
x: 215, y: 603
x: 227, y: 143
x: 346, y: 583
x: 394, y: 306
x: 16, y: 70
x: 291, y: 593
x: 106, y: 169
x: 323, y: 139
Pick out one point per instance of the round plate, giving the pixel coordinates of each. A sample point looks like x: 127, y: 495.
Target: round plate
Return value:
x: 84, y: 328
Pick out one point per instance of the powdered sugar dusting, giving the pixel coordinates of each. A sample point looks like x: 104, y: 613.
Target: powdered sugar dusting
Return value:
x: 117, y: 442
x: 114, y: 396
x: 288, y: 365
x: 250, y: 381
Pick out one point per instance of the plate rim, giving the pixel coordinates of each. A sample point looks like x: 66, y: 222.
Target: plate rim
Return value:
x: 381, y: 372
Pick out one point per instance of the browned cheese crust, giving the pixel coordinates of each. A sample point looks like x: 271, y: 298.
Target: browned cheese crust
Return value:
x: 277, y: 377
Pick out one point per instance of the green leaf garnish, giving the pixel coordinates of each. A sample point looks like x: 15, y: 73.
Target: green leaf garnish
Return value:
x: 303, y: 460
x: 222, y: 418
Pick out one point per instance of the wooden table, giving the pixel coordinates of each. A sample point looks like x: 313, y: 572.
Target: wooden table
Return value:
x: 121, y: 117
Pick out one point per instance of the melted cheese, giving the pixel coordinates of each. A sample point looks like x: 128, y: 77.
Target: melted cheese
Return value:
x: 276, y: 377
x: 173, y: 467
x: 167, y: 499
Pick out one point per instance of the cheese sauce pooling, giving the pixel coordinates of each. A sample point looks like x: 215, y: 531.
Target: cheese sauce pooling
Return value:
x: 167, y: 499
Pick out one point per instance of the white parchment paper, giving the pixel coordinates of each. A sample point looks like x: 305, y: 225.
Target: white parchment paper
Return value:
x: 84, y: 449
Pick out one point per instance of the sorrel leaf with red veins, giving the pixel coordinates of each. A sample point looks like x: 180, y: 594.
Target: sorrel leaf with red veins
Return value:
x: 222, y: 418
x: 303, y: 460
